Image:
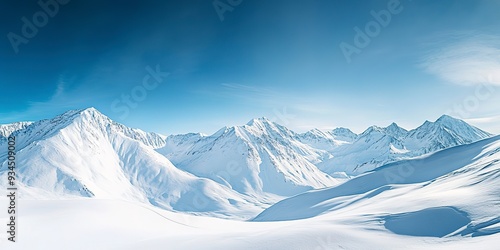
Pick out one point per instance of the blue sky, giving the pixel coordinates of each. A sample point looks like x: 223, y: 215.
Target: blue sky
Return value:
x: 278, y: 59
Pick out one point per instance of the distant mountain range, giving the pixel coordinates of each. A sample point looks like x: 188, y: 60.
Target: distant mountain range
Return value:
x: 236, y: 172
x: 333, y: 152
x: 7, y: 129
x: 377, y: 146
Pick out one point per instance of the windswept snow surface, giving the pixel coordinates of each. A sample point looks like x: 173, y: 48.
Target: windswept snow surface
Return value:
x: 110, y: 224
x: 454, y: 192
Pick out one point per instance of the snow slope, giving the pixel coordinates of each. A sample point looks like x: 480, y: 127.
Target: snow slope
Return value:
x: 237, y: 171
x: 260, y: 158
x: 326, y: 140
x: 453, y: 192
x: 83, y: 153
x: 110, y: 224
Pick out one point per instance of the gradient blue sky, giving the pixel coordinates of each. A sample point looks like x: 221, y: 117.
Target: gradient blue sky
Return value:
x: 278, y: 59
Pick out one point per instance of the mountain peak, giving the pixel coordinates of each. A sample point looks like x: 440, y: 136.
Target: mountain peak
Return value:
x: 89, y: 119
x: 372, y: 129
x: 92, y: 109
x: 7, y: 129
x: 92, y: 112
x: 393, y: 125
x: 396, y: 131
x: 447, y: 119
x: 89, y: 112
x: 261, y: 120
x: 341, y: 130
x: 344, y: 134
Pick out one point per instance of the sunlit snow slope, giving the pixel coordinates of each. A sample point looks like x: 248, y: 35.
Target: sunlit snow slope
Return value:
x: 86, y: 182
x: 451, y: 192
x: 85, y: 154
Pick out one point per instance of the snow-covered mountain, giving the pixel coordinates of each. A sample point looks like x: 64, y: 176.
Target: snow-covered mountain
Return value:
x: 377, y: 146
x: 258, y: 158
x: 111, y: 178
x: 396, y: 131
x: 448, y: 193
x: 265, y: 157
x: 448, y: 200
x: 444, y: 133
x: 7, y: 129
x: 82, y: 153
x: 327, y: 140
x: 237, y: 171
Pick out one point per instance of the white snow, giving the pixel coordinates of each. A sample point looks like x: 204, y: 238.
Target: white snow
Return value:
x: 463, y: 178
x: 379, y: 146
x: 7, y: 129
x: 110, y: 224
x: 261, y: 158
x: 85, y: 154
x: 86, y: 182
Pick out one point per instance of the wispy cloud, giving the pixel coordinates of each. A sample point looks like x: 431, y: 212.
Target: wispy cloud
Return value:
x: 470, y: 58
x: 489, y: 123
x: 246, y: 91
x: 60, y: 100
x: 60, y: 88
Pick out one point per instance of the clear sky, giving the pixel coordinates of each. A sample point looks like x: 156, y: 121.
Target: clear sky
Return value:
x: 302, y: 63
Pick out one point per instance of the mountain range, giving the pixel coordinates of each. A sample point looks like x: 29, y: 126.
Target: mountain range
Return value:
x: 378, y: 146
x: 236, y: 172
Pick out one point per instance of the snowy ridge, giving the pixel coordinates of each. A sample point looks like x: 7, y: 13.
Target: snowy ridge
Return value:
x: 257, y: 158
x: 325, y: 140
x: 85, y: 154
x: 7, y: 129
x: 333, y: 152
x: 344, y: 134
x: 151, y: 139
x: 35, y: 131
x: 377, y: 146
